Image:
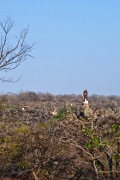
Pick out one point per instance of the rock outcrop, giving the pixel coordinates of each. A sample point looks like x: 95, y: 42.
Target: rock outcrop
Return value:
x: 112, y: 110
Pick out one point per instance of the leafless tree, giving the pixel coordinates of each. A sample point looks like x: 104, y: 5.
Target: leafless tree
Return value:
x: 11, y: 55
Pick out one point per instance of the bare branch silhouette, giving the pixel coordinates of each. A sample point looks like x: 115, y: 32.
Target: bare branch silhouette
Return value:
x: 11, y: 56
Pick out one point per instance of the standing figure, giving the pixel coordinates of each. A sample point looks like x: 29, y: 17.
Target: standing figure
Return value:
x: 85, y: 96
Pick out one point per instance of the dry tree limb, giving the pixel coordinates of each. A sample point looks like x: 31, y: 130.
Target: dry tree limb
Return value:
x: 34, y: 175
x: 11, y: 56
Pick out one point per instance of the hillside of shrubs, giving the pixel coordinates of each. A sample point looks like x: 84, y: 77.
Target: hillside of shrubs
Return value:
x: 56, y: 137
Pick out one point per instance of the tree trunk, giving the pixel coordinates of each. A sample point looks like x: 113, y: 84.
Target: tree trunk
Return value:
x: 109, y: 158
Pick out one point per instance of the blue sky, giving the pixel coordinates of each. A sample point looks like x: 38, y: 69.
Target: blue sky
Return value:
x: 77, y: 46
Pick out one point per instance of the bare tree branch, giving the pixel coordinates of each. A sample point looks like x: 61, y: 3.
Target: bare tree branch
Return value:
x: 12, y: 56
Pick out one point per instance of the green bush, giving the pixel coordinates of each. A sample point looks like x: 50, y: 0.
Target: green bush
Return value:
x: 62, y: 114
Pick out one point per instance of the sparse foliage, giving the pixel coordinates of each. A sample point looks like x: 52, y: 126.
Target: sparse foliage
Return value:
x: 62, y: 146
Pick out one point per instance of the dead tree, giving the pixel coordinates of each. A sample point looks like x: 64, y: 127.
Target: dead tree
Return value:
x: 11, y: 56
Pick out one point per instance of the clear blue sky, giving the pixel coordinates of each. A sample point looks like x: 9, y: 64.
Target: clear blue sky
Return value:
x: 77, y: 46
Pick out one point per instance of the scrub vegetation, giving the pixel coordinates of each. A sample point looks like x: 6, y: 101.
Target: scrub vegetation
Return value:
x: 43, y: 136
